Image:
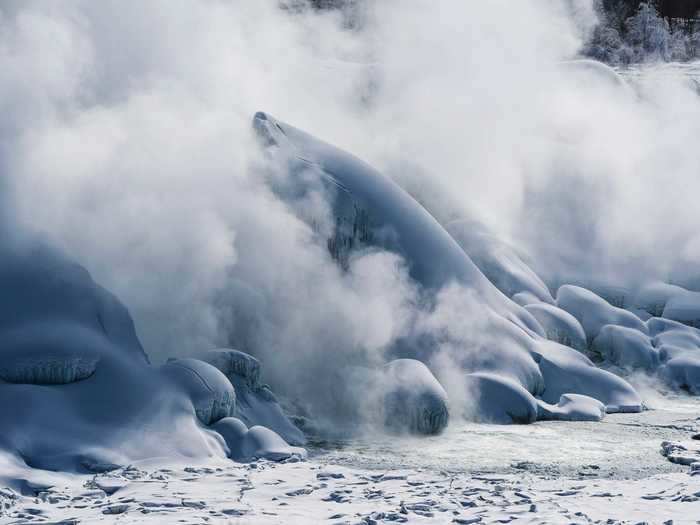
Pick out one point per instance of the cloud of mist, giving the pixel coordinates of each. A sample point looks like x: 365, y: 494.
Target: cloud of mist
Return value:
x: 126, y: 139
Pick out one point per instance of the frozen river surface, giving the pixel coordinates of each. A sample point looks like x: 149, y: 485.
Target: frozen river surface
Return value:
x: 621, y: 446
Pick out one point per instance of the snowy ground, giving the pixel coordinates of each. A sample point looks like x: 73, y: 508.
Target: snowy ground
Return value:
x: 543, y: 473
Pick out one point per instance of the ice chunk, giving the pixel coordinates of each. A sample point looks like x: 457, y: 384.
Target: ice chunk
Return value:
x: 572, y: 407
x: 258, y: 442
x: 559, y: 325
x: 626, y: 347
x: 498, y: 399
x: 593, y: 312
x: 212, y: 394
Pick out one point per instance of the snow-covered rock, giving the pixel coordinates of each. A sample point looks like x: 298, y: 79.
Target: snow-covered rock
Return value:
x: 566, y: 371
x: 234, y: 362
x: 54, y: 353
x: 593, y: 312
x: 525, y: 298
x: 212, y: 394
x: 626, y: 347
x: 258, y: 442
x: 498, y: 399
x: 559, y: 325
x: 380, y: 213
x: 106, y: 405
x: 401, y: 396
x: 653, y: 297
x: 508, y: 347
x: 256, y: 405
x: 414, y: 400
x: 572, y: 407
x: 498, y: 261
x: 683, y: 372
x: 685, y: 308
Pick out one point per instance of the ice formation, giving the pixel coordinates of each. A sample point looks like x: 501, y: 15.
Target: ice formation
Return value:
x: 212, y: 394
x: 70, y: 357
x: 257, y: 442
x: 77, y: 390
x: 558, y: 325
x: 514, y: 364
x: 256, y: 405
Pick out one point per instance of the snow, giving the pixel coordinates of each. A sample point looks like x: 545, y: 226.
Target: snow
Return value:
x: 514, y: 359
x: 551, y: 472
x: 499, y: 400
x: 244, y: 444
x: 79, y: 395
x: 566, y: 371
x: 499, y: 262
x: 683, y: 372
x: 256, y: 404
x: 212, y: 394
x: 626, y: 347
x: 593, y: 312
x: 684, y: 307
x: 559, y: 325
x: 413, y: 399
x: 572, y: 407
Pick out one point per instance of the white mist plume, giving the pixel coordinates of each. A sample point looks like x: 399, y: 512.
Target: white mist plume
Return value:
x: 126, y: 138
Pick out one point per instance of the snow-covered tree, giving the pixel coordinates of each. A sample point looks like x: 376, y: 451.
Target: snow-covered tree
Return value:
x: 648, y: 34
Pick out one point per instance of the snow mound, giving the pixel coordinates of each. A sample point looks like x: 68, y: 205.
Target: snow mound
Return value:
x: 236, y: 363
x: 372, y: 210
x: 400, y: 396
x: 593, y: 312
x: 49, y: 354
x: 498, y: 399
x: 566, y: 371
x: 572, y: 407
x: 683, y: 372
x: 559, y: 325
x: 212, y: 394
x: 652, y: 297
x: 413, y: 399
x: 498, y: 261
x: 256, y: 405
x: 685, y: 308
x: 244, y: 444
x: 78, y: 392
x: 626, y: 347
x: 505, y: 354
x: 525, y: 298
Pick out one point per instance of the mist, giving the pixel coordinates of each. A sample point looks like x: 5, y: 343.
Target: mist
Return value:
x: 126, y: 140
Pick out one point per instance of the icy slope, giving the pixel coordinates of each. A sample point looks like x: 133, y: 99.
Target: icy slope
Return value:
x: 506, y: 364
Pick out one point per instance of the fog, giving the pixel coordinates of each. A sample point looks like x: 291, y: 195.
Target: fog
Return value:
x: 126, y: 140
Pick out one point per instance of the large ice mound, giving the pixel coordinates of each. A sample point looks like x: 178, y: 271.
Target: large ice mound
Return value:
x: 77, y: 390
x: 507, y: 364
